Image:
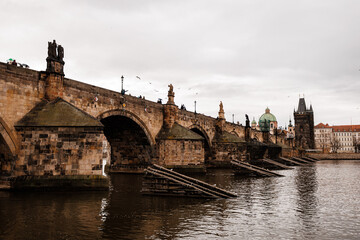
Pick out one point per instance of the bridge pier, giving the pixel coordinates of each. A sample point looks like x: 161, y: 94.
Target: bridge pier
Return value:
x: 179, y: 147
x: 53, y: 147
x: 225, y: 146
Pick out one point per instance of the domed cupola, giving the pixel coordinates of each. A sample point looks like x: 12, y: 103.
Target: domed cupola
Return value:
x: 268, y: 117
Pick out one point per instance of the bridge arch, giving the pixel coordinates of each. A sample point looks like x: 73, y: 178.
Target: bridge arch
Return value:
x: 235, y: 133
x: 207, y: 144
x: 133, y: 117
x: 8, y: 137
x: 8, y: 148
x: 132, y: 146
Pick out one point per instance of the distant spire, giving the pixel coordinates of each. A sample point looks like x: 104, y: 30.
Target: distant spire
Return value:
x: 302, y: 105
x: 290, y: 125
x: 311, y: 109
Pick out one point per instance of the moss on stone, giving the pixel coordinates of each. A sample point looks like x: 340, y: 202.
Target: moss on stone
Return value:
x: 178, y: 132
x: 226, y: 137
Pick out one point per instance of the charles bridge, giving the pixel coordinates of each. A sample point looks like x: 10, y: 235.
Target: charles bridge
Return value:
x: 54, y: 126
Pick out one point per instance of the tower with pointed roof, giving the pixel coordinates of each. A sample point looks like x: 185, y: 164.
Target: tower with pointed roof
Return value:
x: 304, y: 126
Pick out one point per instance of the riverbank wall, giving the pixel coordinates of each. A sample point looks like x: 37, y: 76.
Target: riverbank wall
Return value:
x: 335, y: 156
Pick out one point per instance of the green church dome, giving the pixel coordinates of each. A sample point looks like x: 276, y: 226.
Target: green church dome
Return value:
x: 267, y: 116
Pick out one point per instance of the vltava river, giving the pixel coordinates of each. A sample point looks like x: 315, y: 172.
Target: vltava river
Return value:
x: 321, y: 201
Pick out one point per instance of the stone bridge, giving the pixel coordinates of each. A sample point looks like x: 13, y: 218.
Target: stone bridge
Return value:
x: 51, y: 125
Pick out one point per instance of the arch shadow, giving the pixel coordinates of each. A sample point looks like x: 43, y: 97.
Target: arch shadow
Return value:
x: 235, y: 133
x: 202, y: 131
x: 133, y: 117
x: 207, y: 145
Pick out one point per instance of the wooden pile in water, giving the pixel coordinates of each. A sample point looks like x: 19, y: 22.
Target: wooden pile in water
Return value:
x: 253, y: 169
x: 290, y: 162
x: 276, y: 163
x: 162, y: 181
x: 301, y: 160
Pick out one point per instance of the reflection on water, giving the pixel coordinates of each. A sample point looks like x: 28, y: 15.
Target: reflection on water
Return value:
x: 310, y: 202
x: 307, y: 202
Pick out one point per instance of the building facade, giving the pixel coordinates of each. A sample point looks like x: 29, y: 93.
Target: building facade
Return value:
x: 323, y: 137
x: 340, y: 139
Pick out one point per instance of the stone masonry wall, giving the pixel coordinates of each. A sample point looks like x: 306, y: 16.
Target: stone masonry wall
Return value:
x: 223, y: 153
x: 335, y: 156
x: 60, y: 151
x: 130, y: 149
x: 20, y: 90
x: 181, y: 152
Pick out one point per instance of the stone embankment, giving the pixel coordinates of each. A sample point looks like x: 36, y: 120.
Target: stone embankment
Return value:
x: 335, y: 156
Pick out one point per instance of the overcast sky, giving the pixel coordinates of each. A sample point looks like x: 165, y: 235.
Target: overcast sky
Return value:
x: 248, y: 54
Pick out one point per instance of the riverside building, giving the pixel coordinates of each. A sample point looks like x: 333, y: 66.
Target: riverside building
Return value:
x: 340, y: 138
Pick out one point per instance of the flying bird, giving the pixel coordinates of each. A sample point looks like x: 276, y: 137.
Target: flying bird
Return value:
x: 138, y: 77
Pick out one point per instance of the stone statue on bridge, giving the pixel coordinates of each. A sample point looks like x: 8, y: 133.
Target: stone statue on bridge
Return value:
x: 55, y: 51
x: 60, y: 53
x: 171, y: 88
x: 171, y: 94
x: 55, y: 62
x: 52, y: 49
x: 221, y: 107
x: 247, y: 121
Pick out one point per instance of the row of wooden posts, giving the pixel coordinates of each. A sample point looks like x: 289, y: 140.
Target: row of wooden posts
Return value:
x: 165, y: 182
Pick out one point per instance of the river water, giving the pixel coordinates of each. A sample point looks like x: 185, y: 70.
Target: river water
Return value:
x: 321, y: 201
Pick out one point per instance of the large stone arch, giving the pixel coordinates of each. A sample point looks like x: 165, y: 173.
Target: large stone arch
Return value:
x: 132, y: 116
x: 8, y: 137
x: 132, y: 147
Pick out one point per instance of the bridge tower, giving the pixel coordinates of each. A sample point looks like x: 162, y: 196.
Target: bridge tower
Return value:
x: 54, y: 72
x: 304, y: 126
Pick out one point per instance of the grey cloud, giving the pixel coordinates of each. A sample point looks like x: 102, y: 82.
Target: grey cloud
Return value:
x: 250, y: 54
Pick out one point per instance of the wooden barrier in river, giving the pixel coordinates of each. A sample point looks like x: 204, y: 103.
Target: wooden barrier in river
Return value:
x: 291, y: 162
x: 259, y: 171
x: 316, y: 159
x: 274, y: 162
x: 301, y: 160
x: 162, y: 181
x: 309, y: 159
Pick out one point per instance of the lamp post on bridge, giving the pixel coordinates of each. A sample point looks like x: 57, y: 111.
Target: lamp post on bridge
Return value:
x: 195, y: 106
x: 122, y: 85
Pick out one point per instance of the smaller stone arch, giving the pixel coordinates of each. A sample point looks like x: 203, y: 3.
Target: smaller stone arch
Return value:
x: 235, y: 133
x: 204, y: 133
x: 207, y: 144
x: 133, y: 117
